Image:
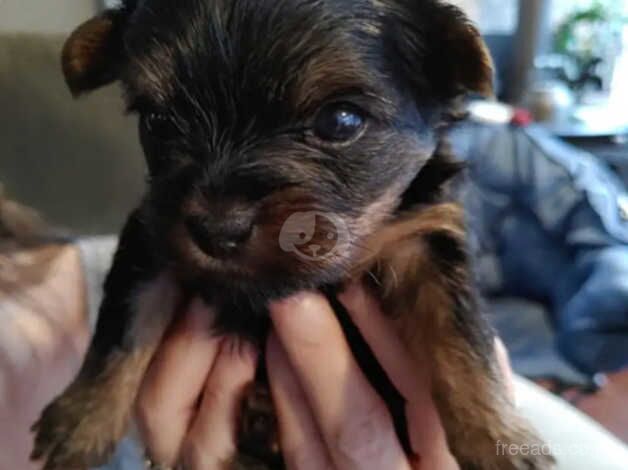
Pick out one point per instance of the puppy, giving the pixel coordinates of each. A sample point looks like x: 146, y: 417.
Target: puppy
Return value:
x: 291, y: 144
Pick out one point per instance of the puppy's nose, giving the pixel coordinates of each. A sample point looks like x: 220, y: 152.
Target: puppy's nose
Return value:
x: 220, y: 236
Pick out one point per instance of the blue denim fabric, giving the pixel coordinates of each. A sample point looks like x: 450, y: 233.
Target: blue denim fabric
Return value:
x: 548, y: 227
x: 128, y: 456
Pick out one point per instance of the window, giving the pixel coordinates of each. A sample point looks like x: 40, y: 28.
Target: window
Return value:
x: 492, y: 16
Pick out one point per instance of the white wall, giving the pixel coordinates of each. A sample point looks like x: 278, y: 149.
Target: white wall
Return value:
x: 49, y: 16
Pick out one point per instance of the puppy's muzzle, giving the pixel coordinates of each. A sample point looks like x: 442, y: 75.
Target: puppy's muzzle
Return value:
x: 221, y: 233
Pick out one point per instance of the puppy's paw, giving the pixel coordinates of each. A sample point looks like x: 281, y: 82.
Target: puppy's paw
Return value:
x: 76, y: 432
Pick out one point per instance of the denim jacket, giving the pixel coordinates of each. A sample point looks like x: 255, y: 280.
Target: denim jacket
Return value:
x: 550, y: 223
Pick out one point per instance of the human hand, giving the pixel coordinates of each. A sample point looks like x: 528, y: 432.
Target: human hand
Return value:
x: 43, y: 338
x: 329, y: 415
x: 188, y: 405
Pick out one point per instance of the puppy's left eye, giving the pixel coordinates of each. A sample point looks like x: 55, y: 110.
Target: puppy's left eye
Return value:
x: 339, y: 122
x: 160, y: 126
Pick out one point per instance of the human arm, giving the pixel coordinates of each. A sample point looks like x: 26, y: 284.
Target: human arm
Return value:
x: 44, y: 335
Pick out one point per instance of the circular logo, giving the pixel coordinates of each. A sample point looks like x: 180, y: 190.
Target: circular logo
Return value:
x: 314, y: 235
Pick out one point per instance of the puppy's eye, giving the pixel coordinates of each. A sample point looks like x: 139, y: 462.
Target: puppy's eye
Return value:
x: 160, y: 126
x: 339, y: 122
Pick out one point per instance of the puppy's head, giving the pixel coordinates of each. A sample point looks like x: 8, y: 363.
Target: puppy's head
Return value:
x: 279, y: 133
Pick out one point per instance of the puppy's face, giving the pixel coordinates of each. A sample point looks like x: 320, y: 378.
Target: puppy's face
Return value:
x: 279, y: 134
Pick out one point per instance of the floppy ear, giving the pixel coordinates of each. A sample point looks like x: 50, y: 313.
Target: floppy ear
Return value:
x: 94, y: 54
x: 441, y: 49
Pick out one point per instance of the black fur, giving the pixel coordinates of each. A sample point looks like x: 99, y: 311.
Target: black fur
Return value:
x: 228, y: 94
x: 228, y: 72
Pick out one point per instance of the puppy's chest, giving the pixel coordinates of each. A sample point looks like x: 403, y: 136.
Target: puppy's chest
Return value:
x: 242, y: 308
x: 235, y: 313
x: 246, y: 314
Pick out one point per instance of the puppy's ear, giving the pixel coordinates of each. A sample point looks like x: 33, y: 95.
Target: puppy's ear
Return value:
x: 440, y: 49
x: 93, y: 55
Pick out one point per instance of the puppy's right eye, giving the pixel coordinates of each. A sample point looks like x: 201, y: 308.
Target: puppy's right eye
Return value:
x: 339, y: 122
x: 160, y: 126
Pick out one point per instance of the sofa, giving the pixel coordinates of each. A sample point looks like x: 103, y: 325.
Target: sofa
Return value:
x: 77, y: 161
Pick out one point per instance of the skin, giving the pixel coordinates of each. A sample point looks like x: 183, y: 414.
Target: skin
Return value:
x: 43, y: 339
x: 341, y: 427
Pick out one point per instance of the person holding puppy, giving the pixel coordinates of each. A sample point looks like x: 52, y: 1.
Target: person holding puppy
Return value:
x: 188, y: 401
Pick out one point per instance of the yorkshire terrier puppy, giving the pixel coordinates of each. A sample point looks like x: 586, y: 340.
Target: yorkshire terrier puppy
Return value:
x: 291, y: 144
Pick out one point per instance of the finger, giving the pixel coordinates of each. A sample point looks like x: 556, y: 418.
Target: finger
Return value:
x: 409, y: 374
x: 380, y: 334
x: 169, y: 393
x: 212, y: 439
x: 353, y: 420
x: 301, y: 443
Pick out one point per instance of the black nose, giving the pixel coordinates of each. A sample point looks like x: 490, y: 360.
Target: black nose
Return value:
x: 220, y: 237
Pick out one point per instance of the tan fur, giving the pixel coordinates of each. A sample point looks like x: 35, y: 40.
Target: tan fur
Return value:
x: 467, y: 388
x: 477, y: 70
x: 96, y: 411
x: 86, y: 58
x: 322, y: 75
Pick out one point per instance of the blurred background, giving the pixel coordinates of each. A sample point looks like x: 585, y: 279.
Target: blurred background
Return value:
x: 78, y: 162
